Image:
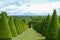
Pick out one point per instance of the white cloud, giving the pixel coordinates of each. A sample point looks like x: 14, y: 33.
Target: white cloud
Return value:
x: 21, y: 2
x: 40, y: 7
x: 36, y: 8
x: 12, y: 6
x: 55, y: 5
x: 12, y: 11
x: 33, y: 7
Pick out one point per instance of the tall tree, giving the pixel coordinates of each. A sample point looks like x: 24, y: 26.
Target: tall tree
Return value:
x: 46, y: 26
x: 12, y: 27
x: 42, y: 25
x: 20, y: 26
x: 17, y: 25
x: 23, y: 27
x: 53, y: 28
x: 37, y: 26
x: 5, y: 33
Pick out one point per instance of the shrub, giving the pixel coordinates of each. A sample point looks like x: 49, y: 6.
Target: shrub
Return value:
x: 54, y: 26
x: 5, y: 32
x: 12, y: 27
x: 20, y: 26
x: 46, y: 26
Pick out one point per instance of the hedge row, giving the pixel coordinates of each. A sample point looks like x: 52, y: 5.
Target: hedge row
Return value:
x: 10, y: 27
x: 50, y: 27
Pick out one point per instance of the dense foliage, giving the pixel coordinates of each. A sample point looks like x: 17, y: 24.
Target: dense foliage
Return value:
x: 46, y: 26
x: 17, y: 25
x: 12, y: 27
x: 5, y: 32
x: 20, y: 26
x: 53, y: 28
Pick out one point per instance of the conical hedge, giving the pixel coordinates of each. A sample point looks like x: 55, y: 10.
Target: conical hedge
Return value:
x: 17, y: 25
x: 5, y: 32
x: 45, y: 28
x: 53, y: 28
x: 42, y: 26
x: 12, y: 27
x: 20, y: 26
x: 5, y: 13
x: 23, y: 27
x: 37, y: 27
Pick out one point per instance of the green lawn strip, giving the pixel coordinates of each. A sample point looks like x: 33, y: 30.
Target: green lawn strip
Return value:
x: 30, y: 34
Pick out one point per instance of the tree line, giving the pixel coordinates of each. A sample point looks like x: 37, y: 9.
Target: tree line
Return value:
x: 49, y: 27
x: 10, y: 27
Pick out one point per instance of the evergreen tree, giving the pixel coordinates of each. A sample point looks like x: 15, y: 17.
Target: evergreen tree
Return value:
x: 20, y: 26
x: 38, y: 26
x: 17, y: 25
x: 42, y: 25
x: 5, y: 33
x: 5, y: 13
x: 47, y: 23
x: 53, y: 28
x: 12, y: 27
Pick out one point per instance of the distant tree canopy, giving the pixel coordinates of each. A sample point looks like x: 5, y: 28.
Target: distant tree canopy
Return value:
x: 36, y: 18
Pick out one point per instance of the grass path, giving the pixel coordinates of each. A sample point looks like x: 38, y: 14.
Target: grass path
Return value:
x: 30, y: 34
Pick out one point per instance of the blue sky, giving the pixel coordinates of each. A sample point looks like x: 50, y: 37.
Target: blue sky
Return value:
x: 29, y: 7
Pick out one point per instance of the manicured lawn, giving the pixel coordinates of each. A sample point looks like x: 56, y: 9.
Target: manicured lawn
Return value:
x: 30, y: 34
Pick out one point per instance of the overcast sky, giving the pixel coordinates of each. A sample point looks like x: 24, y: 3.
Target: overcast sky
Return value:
x: 29, y: 7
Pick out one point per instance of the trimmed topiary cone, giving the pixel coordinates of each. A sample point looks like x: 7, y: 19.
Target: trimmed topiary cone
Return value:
x: 45, y: 28
x: 5, y: 32
x: 20, y: 26
x: 16, y: 22
x: 53, y: 28
x: 23, y: 27
x: 12, y: 27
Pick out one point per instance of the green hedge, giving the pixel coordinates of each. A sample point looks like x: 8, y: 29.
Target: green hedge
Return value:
x: 46, y: 26
x: 23, y: 27
x: 20, y: 26
x: 37, y: 26
x: 54, y: 26
x: 12, y: 27
x: 17, y: 25
x: 5, y: 32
